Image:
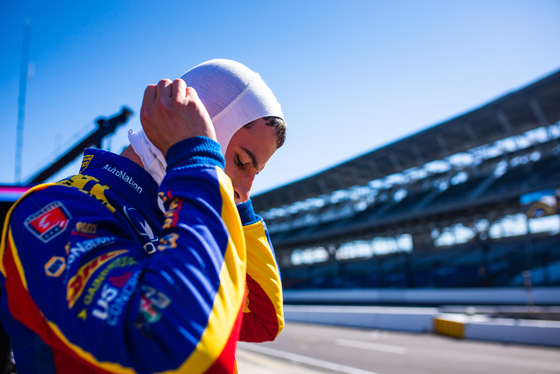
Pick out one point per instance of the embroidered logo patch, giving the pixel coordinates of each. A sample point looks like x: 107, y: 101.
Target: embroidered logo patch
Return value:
x: 85, y: 162
x: 77, y: 283
x: 55, y: 266
x: 49, y: 221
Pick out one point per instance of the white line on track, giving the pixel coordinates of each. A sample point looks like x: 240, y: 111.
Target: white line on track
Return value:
x: 305, y: 360
x: 371, y: 346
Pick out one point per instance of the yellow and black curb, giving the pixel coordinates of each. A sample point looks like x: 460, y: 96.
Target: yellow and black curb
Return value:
x: 450, y: 325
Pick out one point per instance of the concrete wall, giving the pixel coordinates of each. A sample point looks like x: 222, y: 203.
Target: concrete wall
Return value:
x: 399, y: 319
x: 412, y: 297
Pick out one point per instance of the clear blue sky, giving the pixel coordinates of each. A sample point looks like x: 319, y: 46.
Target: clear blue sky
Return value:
x: 351, y: 75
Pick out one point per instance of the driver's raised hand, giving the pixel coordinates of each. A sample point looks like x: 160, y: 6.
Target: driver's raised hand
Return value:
x: 172, y: 112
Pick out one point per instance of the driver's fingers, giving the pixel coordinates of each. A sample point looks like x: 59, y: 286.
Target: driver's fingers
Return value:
x: 164, y: 89
x: 179, y: 88
x: 149, y: 95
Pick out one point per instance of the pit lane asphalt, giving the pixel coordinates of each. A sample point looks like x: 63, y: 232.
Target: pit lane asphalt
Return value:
x: 311, y: 349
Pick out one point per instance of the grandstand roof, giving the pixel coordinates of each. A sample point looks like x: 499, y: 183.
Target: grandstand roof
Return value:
x: 513, y: 114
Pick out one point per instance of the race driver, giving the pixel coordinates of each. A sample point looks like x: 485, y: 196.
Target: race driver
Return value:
x: 152, y: 261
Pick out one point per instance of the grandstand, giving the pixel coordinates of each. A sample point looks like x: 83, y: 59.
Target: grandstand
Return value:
x: 471, y: 202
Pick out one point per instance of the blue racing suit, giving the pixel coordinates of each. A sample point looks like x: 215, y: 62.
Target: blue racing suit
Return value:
x: 96, y: 278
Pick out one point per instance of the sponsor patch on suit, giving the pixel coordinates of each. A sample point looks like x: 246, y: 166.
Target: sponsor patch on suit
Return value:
x: 48, y: 222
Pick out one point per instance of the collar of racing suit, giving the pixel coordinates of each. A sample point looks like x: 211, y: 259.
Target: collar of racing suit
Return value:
x: 125, y: 177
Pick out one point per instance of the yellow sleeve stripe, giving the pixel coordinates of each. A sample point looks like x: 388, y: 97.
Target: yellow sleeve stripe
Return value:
x: 261, y: 266
x: 231, y: 294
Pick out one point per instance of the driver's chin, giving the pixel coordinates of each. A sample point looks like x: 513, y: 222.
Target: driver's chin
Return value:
x: 239, y: 201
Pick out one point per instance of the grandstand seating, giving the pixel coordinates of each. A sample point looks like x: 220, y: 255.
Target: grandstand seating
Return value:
x: 469, y: 265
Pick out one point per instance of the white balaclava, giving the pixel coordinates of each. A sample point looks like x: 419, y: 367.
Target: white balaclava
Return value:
x: 233, y: 95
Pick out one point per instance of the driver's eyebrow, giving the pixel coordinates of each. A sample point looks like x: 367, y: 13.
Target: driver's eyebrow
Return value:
x: 254, y: 161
